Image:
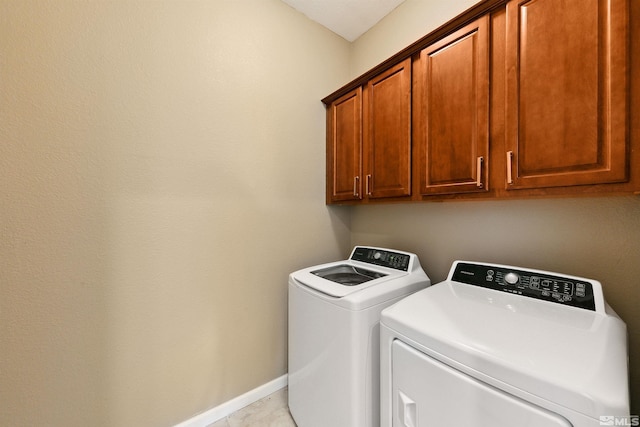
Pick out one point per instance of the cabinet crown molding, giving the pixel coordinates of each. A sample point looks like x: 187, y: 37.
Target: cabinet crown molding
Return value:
x: 466, y: 17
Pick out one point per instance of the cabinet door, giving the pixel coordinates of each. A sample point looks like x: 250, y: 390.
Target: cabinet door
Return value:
x: 454, y: 139
x: 344, y: 154
x: 566, y: 92
x: 388, y: 127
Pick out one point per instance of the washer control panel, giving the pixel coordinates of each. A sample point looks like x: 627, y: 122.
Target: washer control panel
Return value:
x: 529, y: 283
x: 381, y: 257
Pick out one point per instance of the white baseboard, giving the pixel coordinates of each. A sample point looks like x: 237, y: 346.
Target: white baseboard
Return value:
x: 228, y: 408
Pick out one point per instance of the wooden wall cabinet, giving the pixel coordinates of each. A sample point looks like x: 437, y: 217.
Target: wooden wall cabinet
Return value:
x: 567, y: 109
x: 452, y: 113
x: 510, y: 99
x: 369, y: 139
x: 344, y: 152
x: 387, y: 106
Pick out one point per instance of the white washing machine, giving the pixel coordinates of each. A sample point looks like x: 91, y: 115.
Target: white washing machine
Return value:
x: 334, y: 334
x: 502, y: 346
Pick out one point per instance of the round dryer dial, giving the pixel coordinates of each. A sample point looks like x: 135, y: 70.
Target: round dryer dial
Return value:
x: 511, y: 278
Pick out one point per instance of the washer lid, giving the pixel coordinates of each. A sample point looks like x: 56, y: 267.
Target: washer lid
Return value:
x: 339, y: 279
x: 348, y: 275
x: 573, y: 357
x: 366, y: 267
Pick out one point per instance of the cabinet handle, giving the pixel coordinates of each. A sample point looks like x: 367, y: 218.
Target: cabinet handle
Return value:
x: 356, y: 179
x: 369, y: 184
x: 509, y: 160
x: 479, y: 172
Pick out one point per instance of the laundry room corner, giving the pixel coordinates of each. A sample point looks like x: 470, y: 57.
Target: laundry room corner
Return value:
x: 596, y: 237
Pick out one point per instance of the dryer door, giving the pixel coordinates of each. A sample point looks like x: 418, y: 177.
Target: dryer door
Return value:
x: 427, y: 392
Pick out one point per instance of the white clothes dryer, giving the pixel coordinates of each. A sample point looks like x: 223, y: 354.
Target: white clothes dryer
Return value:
x: 502, y: 346
x: 334, y: 334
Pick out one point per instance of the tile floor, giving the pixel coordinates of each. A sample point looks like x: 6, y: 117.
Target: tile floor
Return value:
x: 272, y: 411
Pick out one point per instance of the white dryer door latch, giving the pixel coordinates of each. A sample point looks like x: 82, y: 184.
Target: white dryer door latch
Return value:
x: 407, y: 411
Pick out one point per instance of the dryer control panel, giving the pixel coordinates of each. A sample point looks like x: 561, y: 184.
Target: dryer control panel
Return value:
x: 381, y: 257
x: 536, y: 284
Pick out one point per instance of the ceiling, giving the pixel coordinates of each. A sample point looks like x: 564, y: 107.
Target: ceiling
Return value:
x: 347, y: 18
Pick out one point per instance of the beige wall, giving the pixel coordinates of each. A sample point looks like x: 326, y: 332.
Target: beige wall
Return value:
x: 161, y: 172
x: 597, y: 238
